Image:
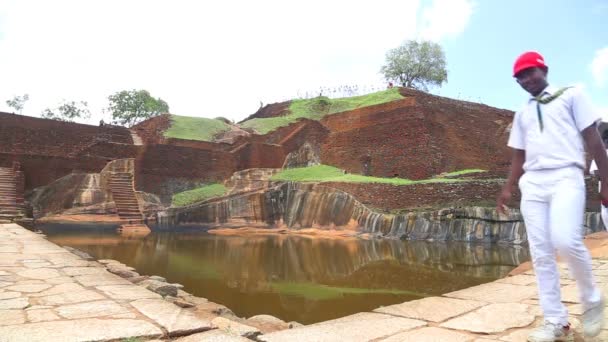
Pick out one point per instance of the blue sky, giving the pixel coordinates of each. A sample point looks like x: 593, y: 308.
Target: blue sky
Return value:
x: 567, y: 33
x: 223, y: 58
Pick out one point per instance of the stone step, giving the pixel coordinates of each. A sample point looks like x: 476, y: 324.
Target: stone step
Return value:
x: 125, y: 196
x: 123, y: 193
x: 128, y: 211
x: 133, y: 209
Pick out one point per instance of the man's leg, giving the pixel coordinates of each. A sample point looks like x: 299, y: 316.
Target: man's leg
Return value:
x: 567, y: 209
x: 536, y: 218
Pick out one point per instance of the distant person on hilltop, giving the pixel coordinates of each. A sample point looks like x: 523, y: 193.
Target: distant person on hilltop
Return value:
x: 390, y: 85
x: 548, y: 138
x: 594, y: 170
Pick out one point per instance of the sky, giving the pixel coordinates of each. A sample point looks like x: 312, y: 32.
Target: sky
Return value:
x: 226, y: 58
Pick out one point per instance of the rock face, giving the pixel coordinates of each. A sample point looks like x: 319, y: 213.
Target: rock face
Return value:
x: 249, y: 180
x: 307, y: 155
x: 297, y: 205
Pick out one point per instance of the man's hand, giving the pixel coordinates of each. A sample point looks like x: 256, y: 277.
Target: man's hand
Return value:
x: 504, y: 198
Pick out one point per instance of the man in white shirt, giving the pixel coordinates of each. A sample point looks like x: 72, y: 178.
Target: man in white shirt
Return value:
x: 594, y: 171
x: 548, y: 138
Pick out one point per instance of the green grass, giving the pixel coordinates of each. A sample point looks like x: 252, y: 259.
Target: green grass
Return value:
x: 325, y: 173
x: 197, y: 195
x: 318, y: 107
x: 461, y: 172
x: 192, y: 128
x: 323, y: 292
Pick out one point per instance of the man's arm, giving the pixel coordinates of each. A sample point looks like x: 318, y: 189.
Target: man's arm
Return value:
x: 598, y: 152
x: 517, y: 170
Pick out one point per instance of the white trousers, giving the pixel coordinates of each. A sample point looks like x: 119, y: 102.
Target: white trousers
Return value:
x: 553, y: 204
x: 604, y: 214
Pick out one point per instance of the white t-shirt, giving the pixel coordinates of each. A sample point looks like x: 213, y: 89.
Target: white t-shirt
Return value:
x: 560, y: 144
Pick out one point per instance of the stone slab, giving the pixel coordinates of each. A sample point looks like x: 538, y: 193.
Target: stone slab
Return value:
x: 39, y: 273
x: 9, y: 295
x: 521, y: 279
x: 8, y: 317
x: 101, y: 279
x: 31, y: 288
x: 79, y: 330
x: 426, y: 308
x: 429, y: 334
x: 70, y: 298
x: 493, y: 318
x: 237, y: 328
x: 175, y: 320
x: 78, y: 271
x: 496, y: 293
x: 59, y: 289
x: 214, y: 335
x: 15, y: 303
x: 359, y: 327
x: 41, y: 315
x: 127, y: 292
x: 102, y: 308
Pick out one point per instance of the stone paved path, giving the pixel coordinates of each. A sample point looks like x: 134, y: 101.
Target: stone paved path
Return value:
x: 504, y: 310
x: 50, y: 294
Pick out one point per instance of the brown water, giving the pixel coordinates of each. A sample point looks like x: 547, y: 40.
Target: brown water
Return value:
x: 297, y: 278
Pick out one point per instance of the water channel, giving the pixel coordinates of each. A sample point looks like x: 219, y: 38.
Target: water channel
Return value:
x: 296, y: 278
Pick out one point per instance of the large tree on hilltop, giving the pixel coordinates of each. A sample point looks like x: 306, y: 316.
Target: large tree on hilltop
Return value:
x: 129, y: 107
x: 416, y: 64
x: 68, y: 111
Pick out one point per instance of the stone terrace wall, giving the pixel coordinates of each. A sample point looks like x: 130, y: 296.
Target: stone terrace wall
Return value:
x: 390, y: 197
x: 34, y: 136
x: 165, y: 169
x: 384, y: 141
x: 42, y: 170
x: 417, y: 137
x: 151, y: 131
x: 258, y: 155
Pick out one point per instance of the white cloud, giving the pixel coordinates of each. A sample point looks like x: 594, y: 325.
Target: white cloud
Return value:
x: 599, y: 67
x: 445, y: 19
x: 204, y: 58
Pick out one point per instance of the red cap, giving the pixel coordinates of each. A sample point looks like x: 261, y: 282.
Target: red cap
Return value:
x: 527, y: 60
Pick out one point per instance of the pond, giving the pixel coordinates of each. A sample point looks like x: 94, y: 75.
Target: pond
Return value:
x: 296, y: 278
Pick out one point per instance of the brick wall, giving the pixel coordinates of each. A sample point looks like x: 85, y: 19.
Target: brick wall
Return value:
x: 259, y: 155
x: 390, y: 197
x: 34, y: 136
x: 418, y: 137
x: 159, y: 163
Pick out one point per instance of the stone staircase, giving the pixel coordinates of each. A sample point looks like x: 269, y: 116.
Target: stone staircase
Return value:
x: 11, y: 195
x: 127, y: 207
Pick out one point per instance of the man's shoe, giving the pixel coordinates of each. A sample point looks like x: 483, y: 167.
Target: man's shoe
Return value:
x: 593, y: 320
x: 549, y: 332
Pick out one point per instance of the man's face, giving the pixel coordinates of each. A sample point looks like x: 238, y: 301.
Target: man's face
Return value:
x: 533, y: 80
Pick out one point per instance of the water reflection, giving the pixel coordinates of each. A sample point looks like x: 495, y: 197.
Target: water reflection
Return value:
x: 298, y: 278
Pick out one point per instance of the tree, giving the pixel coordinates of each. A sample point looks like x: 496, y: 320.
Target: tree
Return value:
x: 18, y: 102
x: 416, y: 65
x: 129, y: 107
x: 68, y: 111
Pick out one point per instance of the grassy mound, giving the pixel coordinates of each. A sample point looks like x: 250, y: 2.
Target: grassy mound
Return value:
x: 325, y: 173
x: 197, y: 195
x: 318, y: 107
x: 193, y: 128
